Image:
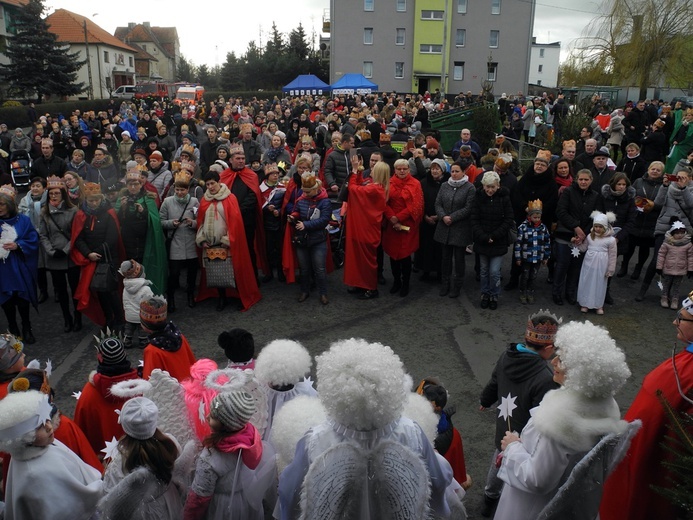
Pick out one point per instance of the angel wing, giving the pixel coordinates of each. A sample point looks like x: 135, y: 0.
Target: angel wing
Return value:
x: 169, y: 397
x: 125, y: 500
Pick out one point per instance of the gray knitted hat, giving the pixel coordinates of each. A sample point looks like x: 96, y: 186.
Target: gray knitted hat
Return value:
x: 233, y: 409
x: 139, y: 417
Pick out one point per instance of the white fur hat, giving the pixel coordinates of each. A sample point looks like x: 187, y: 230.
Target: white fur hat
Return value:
x: 361, y: 384
x: 21, y: 413
x: 594, y: 365
x: 603, y: 219
x: 283, y: 362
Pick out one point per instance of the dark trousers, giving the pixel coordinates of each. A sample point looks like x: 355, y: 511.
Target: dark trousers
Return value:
x: 644, y: 243
x: 174, y: 269
x: 42, y: 279
x: 528, y: 273
x: 10, y: 307
x: 652, y: 266
x: 61, y: 278
x: 567, y: 271
x: 456, y: 254
x: 250, y: 239
x: 112, y: 308
x: 401, y: 269
x: 273, y: 244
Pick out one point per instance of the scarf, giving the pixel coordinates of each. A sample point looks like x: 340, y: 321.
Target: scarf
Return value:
x: 564, y: 181
x: 410, y: 191
x: 208, y: 226
x: 272, y: 153
x: 169, y: 339
x: 97, y: 211
x: 459, y: 183
x: 182, y: 200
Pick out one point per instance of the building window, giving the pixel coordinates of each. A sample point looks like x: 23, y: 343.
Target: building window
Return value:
x: 367, y: 69
x: 458, y: 71
x: 541, y: 69
x: 399, y: 69
x: 495, y: 6
x: 131, y: 61
x: 538, y: 82
x: 368, y: 5
x: 462, y: 6
x: 431, y: 15
x: 399, y: 39
x: 492, y: 71
x: 460, y: 36
x: 368, y: 36
x: 541, y: 53
x: 106, y: 59
x: 401, y: 6
x: 3, y: 42
x: 427, y: 48
x: 493, y: 39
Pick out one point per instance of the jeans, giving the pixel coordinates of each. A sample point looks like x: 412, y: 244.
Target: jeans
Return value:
x: 567, y: 273
x: 490, y: 275
x: 312, y: 260
x: 527, y: 276
x: 494, y: 485
x: 61, y: 278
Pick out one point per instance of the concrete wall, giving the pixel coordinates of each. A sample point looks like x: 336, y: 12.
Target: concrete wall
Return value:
x: 548, y: 76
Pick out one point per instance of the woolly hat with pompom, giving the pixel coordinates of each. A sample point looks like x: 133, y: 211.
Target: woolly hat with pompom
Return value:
x: 361, y: 384
x: 603, y: 219
x: 283, y: 362
x: 419, y: 409
x: 595, y: 367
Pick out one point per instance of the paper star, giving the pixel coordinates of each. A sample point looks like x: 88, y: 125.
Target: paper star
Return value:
x: 77, y: 395
x: 34, y: 363
x: 111, y: 448
x: 660, y: 285
x: 505, y: 410
x: 201, y: 412
x: 141, y: 363
x: 575, y: 251
x: 638, y: 208
x: 49, y: 367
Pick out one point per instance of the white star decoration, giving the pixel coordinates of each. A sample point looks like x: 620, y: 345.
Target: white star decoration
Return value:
x: 49, y: 368
x: 111, y: 448
x: 141, y: 363
x: 575, y: 251
x: 505, y: 410
x: 660, y: 285
x: 77, y: 395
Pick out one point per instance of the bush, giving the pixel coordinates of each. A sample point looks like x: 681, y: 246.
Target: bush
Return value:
x: 11, y: 104
x: 578, y: 117
x: 486, y: 125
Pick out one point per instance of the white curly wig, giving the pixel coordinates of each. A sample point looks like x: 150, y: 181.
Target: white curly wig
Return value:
x: 419, y: 409
x: 594, y: 365
x: 291, y: 423
x: 361, y: 384
x: 283, y: 362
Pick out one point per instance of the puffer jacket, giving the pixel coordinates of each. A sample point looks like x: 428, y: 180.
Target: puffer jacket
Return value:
x: 315, y: 214
x: 161, y: 178
x: 492, y: 217
x: 336, y: 168
x: 675, y: 257
x: 55, y: 231
x: 645, y: 223
x: 458, y: 204
x: 135, y: 290
x: 574, y: 209
x: 675, y: 203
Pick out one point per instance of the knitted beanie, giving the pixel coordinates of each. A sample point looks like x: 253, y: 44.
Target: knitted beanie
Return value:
x: 10, y: 350
x: 111, y: 351
x: 139, y: 417
x: 131, y: 269
x: 233, y: 409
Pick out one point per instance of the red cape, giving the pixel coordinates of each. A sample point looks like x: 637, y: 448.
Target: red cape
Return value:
x: 88, y: 302
x: 177, y: 363
x: 363, y: 233
x: 246, y: 283
x: 627, y: 493
x: 406, y: 203
x: 73, y: 437
x: 455, y: 456
x: 250, y: 179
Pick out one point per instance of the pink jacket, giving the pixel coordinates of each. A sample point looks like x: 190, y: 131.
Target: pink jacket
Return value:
x: 675, y: 258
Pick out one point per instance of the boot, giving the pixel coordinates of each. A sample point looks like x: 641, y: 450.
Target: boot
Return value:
x: 641, y: 294
x: 674, y: 304
x: 444, y: 286
x: 405, y: 289
x: 636, y: 272
x: 523, y: 298
x: 456, y: 288
x: 396, y: 286
x: 77, y: 323
x: 489, y: 506
x: 530, y: 296
x: 28, y: 335
x: 191, y: 300
x: 68, y: 324
x: 664, y: 302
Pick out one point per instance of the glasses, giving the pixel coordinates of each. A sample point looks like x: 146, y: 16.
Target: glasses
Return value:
x: 680, y: 318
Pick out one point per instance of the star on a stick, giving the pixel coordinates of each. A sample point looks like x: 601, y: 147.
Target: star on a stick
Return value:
x: 111, y: 448
x: 505, y: 410
x: 575, y: 251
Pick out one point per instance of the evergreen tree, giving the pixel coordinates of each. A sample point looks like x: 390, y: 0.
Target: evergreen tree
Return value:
x: 38, y: 64
x: 185, y: 71
x: 232, y: 74
x: 203, y: 75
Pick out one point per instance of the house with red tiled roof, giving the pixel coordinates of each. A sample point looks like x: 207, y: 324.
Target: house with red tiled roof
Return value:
x: 159, y: 49
x: 109, y: 62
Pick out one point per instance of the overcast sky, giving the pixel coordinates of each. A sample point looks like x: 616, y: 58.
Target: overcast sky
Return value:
x: 209, y: 29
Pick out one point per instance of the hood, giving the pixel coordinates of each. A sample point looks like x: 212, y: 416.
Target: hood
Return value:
x: 133, y: 285
x: 248, y: 442
x: 521, y: 366
x: 681, y: 242
x: 103, y: 383
x: 607, y: 193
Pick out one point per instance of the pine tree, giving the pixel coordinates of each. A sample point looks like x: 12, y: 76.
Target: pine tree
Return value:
x: 39, y: 65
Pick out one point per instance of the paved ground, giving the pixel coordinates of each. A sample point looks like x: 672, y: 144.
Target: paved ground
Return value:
x: 451, y: 339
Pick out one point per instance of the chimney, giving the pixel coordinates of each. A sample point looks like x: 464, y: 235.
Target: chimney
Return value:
x: 131, y: 25
x: 146, y: 24
x: 534, y: 39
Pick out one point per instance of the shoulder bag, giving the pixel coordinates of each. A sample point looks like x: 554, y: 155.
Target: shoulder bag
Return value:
x: 105, y: 278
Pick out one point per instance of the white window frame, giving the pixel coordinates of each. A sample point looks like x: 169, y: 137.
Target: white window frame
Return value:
x: 401, y: 6
x: 404, y: 36
x: 430, y: 48
x: 461, y: 6
x: 458, y: 66
x: 368, y: 31
x: 463, y: 32
x: 366, y: 65
x: 368, y: 5
x: 432, y: 14
x: 492, y: 72
x: 495, y: 6
x: 492, y: 33
x: 401, y: 74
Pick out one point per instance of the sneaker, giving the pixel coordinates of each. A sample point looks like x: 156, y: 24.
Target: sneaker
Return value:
x: 484, y: 301
x: 493, y: 303
x: 664, y: 302
x: 674, y: 304
x: 600, y: 311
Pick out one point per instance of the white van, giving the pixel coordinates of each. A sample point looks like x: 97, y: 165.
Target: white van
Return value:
x: 124, y: 92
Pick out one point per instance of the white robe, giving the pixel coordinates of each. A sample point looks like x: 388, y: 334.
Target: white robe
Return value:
x: 600, y: 259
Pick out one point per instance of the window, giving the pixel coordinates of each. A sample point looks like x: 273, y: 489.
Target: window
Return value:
x: 3, y: 43
x: 427, y: 48
x: 493, y: 39
x: 462, y: 6
x: 538, y: 82
x: 541, y: 53
x: 431, y: 15
x: 401, y: 6
x: 399, y: 69
x: 492, y: 71
x: 541, y: 69
x: 458, y: 71
x: 367, y: 69
x: 399, y: 39
x: 109, y: 83
x: 130, y: 61
x: 368, y: 36
x: 368, y: 5
x: 460, y: 36
x: 106, y: 59
x: 495, y: 6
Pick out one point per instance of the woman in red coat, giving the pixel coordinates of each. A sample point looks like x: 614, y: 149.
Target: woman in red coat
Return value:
x: 404, y: 211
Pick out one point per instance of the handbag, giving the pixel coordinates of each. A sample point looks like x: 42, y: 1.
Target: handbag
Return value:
x: 105, y: 278
x: 219, y: 268
x: 512, y: 235
x: 300, y: 239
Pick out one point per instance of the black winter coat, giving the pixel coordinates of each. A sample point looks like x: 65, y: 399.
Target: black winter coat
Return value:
x: 634, y: 168
x: 645, y: 223
x: 532, y: 186
x: 623, y: 207
x: 574, y: 209
x: 492, y: 218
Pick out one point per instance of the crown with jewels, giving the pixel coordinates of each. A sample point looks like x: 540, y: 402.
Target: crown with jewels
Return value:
x: 54, y: 182
x: 92, y: 188
x: 544, y: 332
x: 183, y: 176
x: 8, y: 189
x: 534, y: 206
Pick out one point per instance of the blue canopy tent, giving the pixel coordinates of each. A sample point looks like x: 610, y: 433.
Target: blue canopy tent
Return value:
x: 306, y: 84
x: 353, y: 84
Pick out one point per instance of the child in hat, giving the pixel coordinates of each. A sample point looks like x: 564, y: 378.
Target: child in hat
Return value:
x: 46, y: 479
x: 532, y: 249
x: 675, y: 259
x: 11, y: 360
x: 239, y: 346
x: 599, y: 263
x: 136, y: 288
x: 225, y: 467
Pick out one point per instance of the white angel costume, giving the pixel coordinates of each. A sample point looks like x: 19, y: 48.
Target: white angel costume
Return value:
x: 276, y: 399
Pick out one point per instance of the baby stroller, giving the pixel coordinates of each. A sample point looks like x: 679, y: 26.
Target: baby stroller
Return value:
x: 335, y: 229
x: 20, y: 168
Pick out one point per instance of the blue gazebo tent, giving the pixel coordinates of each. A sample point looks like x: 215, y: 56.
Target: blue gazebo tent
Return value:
x: 306, y: 84
x: 353, y: 84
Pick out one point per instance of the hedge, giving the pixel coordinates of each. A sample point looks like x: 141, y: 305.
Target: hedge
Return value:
x: 15, y: 117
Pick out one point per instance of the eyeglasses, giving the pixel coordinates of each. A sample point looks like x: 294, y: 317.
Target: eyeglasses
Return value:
x: 680, y: 318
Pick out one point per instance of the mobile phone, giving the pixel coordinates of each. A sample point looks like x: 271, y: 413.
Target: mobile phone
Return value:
x: 352, y: 153
x: 672, y: 178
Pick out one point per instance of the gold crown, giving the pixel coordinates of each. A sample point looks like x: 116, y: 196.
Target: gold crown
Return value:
x: 188, y: 149
x: 92, y: 188
x: 237, y: 148
x: 54, y: 182
x: 183, y: 176
x: 8, y: 189
x: 534, y: 205
x: 132, y: 176
x: 271, y: 168
x: 544, y: 333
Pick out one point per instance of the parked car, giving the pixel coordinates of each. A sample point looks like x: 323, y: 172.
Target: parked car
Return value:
x: 686, y: 101
x: 124, y: 92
